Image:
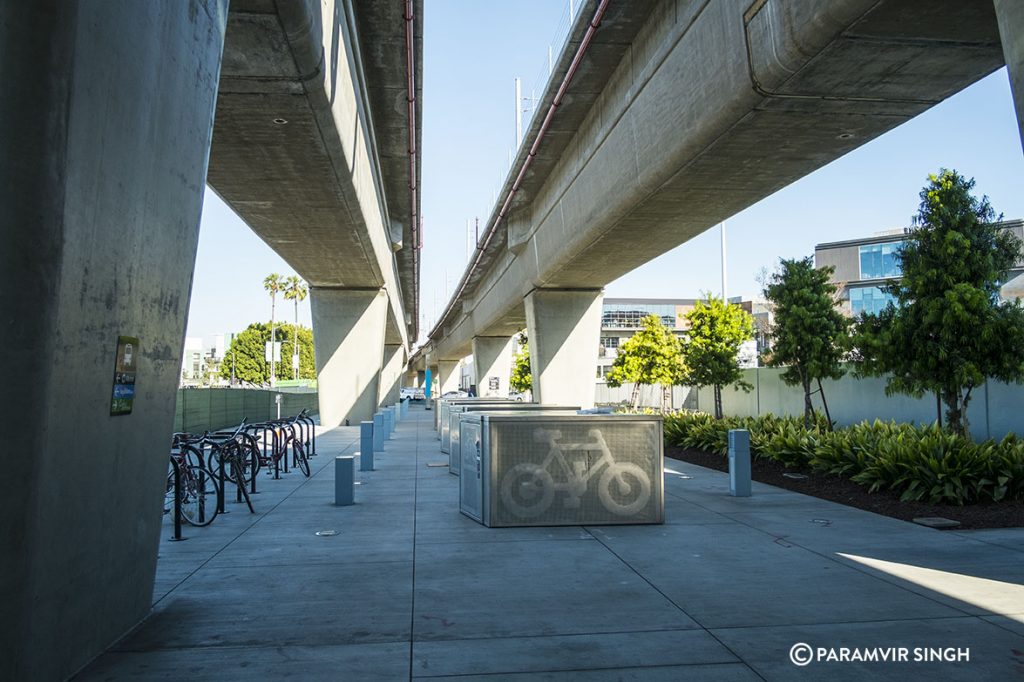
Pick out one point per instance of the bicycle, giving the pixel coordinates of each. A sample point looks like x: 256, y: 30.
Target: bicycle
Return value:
x: 199, y: 495
x: 528, y: 489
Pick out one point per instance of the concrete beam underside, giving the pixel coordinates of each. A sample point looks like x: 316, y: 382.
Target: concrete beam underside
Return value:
x: 564, y: 330
x: 492, y: 362
x: 348, y: 336
x: 107, y: 115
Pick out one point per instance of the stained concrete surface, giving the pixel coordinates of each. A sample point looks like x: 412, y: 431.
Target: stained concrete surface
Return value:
x: 409, y: 588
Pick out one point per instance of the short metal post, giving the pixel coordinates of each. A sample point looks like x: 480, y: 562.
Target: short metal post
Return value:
x: 739, y: 463
x: 378, y: 432
x: 389, y: 422
x: 366, y: 446
x: 398, y: 412
x: 344, y: 480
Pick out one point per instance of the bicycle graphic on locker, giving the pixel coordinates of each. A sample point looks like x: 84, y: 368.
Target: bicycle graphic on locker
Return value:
x: 529, y: 489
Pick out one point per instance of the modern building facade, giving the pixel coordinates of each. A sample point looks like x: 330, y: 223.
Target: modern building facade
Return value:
x: 622, y: 317
x: 864, y: 266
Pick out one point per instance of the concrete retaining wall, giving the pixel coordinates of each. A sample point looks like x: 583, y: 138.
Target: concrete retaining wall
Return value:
x: 994, y: 410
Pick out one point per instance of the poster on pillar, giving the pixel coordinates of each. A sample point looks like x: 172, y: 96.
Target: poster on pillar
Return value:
x: 493, y: 383
x: 127, y: 358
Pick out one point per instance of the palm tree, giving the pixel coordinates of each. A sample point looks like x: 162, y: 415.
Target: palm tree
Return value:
x: 295, y: 290
x: 273, y: 283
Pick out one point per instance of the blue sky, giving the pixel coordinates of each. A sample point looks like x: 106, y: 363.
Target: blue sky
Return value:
x: 472, y: 52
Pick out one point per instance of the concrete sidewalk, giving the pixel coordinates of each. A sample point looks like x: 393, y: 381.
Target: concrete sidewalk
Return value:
x: 410, y: 588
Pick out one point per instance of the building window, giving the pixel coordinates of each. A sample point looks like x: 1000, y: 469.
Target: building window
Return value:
x: 630, y: 315
x: 869, y: 300
x: 610, y: 341
x: 879, y: 261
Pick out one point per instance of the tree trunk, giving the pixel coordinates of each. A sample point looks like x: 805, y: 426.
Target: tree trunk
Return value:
x: 273, y: 320
x: 965, y: 424
x: 938, y: 408
x: 295, y: 342
x: 634, y: 399
x: 824, y: 403
x: 718, y: 402
x: 954, y: 417
x: 808, y: 407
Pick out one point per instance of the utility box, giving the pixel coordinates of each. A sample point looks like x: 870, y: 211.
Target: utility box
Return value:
x: 455, y: 413
x: 561, y: 470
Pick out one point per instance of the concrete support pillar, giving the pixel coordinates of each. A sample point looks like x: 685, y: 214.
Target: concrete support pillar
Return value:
x: 391, y: 375
x: 107, y: 114
x: 1010, y: 14
x: 564, y: 330
x: 492, y: 362
x: 348, y: 336
x: 447, y: 376
x: 421, y: 378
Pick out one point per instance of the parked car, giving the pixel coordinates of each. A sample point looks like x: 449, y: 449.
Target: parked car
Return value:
x: 416, y: 394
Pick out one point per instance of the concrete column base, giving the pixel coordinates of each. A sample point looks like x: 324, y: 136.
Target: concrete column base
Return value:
x: 563, y: 328
x: 348, y: 336
x: 492, y: 362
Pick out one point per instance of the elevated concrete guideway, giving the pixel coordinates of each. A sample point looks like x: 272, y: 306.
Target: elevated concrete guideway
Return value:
x: 676, y: 115
x: 311, y: 147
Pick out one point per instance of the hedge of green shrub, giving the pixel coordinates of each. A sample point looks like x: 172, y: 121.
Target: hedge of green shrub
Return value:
x: 920, y: 463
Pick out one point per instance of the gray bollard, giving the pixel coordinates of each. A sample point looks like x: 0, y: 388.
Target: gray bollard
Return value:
x: 344, y: 480
x: 739, y: 462
x: 378, y: 432
x: 405, y: 407
x: 366, y: 446
x: 389, y: 422
x: 397, y: 407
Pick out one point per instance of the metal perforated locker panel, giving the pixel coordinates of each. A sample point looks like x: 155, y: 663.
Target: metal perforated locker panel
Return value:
x: 471, y: 480
x: 586, y: 469
x: 457, y: 405
x: 455, y: 413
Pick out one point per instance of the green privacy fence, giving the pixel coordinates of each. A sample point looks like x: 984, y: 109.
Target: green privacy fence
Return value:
x: 207, y: 409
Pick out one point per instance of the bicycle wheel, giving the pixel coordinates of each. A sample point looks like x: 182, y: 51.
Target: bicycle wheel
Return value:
x: 198, y: 495
x: 527, y: 490
x: 299, y: 457
x: 624, y: 488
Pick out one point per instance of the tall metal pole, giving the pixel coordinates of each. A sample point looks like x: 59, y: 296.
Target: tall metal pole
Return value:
x: 550, y: 61
x: 571, y: 12
x: 519, y: 115
x: 725, y: 291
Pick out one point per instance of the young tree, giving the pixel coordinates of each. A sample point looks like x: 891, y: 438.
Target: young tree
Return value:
x: 247, y: 351
x: 809, y: 333
x: 712, y: 344
x: 295, y: 290
x: 273, y: 283
x: 522, y: 379
x: 948, y: 332
x: 651, y: 356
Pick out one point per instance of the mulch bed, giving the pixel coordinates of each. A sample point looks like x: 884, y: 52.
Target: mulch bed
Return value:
x: 844, y: 491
